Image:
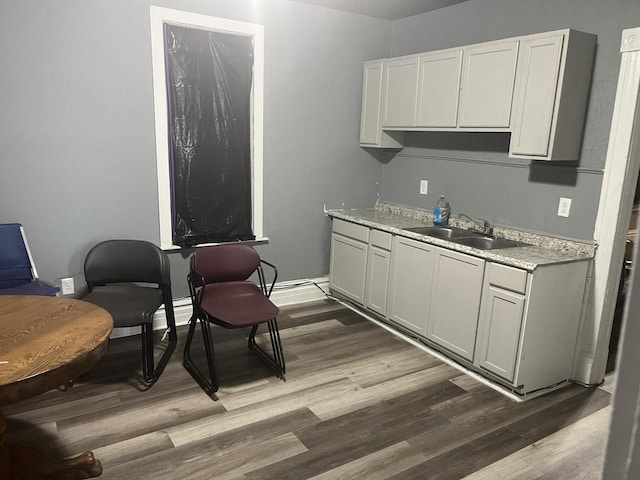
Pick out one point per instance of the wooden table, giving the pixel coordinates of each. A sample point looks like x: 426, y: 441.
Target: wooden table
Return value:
x: 44, y: 343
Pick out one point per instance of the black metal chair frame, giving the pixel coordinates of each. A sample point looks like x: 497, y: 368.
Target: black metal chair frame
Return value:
x: 211, y: 383
x: 150, y: 374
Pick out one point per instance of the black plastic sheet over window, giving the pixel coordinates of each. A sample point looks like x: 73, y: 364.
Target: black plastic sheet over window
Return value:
x: 209, y: 77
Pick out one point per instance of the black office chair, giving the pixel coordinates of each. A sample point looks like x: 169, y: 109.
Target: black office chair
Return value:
x: 222, y: 294
x: 114, y: 270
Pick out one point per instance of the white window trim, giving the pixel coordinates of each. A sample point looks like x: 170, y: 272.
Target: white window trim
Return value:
x: 160, y: 16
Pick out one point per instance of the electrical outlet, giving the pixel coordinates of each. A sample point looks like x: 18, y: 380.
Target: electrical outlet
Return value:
x: 66, y: 285
x: 564, y: 207
x: 424, y: 184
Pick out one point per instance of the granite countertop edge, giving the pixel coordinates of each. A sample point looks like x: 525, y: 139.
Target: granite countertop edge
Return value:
x: 543, y: 250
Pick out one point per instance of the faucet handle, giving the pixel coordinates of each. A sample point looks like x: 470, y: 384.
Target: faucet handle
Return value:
x: 487, y: 227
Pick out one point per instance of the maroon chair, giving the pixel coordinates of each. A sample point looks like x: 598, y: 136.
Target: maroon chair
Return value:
x: 222, y: 294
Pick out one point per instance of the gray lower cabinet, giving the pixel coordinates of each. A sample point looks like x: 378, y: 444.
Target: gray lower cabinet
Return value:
x: 529, y: 323
x: 378, y: 269
x: 515, y: 326
x: 410, y: 285
x: 455, y: 301
x: 349, y: 247
x: 498, y: 342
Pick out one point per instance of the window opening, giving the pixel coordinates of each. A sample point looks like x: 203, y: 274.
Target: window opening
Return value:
x: 196, y: 118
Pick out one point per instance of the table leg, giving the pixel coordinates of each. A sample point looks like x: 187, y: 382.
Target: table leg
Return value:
x: 28, y: 463
x: 5, y: 466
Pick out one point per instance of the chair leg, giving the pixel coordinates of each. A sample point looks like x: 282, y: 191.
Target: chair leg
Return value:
x: 150, y: 373
x: 209, y: 385
x: 147, y: 352
x: 275, y: 362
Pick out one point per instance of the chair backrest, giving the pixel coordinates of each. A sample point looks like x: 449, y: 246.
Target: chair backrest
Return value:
x: 16, y: 264
x: 223, y: 263
x: 119, y: 261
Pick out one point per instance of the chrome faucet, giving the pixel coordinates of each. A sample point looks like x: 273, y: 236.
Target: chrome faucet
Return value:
x: 486, y: 229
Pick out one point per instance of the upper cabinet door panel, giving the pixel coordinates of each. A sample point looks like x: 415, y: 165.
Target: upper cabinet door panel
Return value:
x: 371, y: 98
x: 400, y: 86
x: 539, y: 72
x: 438, y: 89
x: 488, y: 74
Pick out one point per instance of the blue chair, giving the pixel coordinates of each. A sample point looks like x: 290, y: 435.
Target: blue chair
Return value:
x: 18, y: 275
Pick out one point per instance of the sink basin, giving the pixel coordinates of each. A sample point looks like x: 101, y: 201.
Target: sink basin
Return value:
x: 442, y: 232
x: 488, y: 243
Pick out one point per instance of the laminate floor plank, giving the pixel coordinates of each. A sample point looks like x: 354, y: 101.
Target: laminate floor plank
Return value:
x: 359, y: 398
x: 211, y: 450
x: 468, y: 457
x: 472, y: 416
x: 228, y: 465
x: 358, y: 403
x: 363, y: 371
x: 365, y: 431
x: 213, y: 425
x: 575, y: 452
x: 379, y: 465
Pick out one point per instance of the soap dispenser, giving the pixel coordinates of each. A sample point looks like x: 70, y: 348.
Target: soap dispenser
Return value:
x: 441, y: 212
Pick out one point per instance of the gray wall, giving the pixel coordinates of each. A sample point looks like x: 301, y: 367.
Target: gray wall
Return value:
x: 77, y: 163
x: 474, y: 170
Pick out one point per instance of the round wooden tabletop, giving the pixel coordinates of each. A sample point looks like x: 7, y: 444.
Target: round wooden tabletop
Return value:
x: 47, y: 341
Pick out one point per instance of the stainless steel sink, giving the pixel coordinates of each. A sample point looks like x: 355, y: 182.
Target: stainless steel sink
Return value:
x: 442, y: 232
x: 488, y: 243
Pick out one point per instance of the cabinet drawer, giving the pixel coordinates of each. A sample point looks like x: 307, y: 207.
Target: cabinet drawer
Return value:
x: 351, y: 230
x: 509, y: 278
x: 380, y: 239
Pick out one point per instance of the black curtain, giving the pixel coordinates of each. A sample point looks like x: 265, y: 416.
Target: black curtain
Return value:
x: 209, y: 77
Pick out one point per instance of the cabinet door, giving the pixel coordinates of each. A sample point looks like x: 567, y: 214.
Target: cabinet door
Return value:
x: 371, y: 98
x: 499, y: 331
x: 488, y: 75
x: 438, y: 89
x: 348, y: 267
x: 410, y: 289
x: 400, y: 86
x: 378, y: 267
x: 534, y: 107
x: 455, y: 301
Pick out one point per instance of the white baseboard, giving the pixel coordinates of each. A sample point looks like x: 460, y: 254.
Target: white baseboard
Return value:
x: 284, y: 293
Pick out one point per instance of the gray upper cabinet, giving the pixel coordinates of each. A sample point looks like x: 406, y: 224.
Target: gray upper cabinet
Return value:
x: 536, y: 87
x: 486, y: 92
x: 438, y: 89
x: 399, y: 87
x: 371, y: 134
x: 554, y: 80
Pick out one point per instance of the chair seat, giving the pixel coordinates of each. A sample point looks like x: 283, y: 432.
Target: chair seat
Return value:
x: 36, y: 287
x: 237, y: 304
x: 129, y: 305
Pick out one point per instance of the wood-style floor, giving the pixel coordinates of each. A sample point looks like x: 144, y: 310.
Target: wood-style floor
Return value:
x: 358, y: 403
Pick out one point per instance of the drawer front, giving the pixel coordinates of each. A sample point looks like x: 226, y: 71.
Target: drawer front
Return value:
x: 380, y: 239
x: 351, y: 230
x: 509, y: 278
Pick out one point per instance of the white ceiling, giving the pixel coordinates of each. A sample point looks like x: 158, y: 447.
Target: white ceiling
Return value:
x: 389, y: 9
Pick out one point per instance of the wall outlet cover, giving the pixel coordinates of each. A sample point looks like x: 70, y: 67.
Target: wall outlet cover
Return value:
x: 424, y: 186
x: 564, y: 207
x: 66, y: 286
